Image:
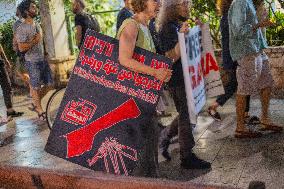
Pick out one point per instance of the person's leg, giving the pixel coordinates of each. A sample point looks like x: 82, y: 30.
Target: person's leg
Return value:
x: 6, y: 88
x: 166, y: 135
x: 247, y: 104
x: 230, y: 88
x: 247, y: 85
x: 169, y: 132
x: 186, y: 139
x: 265, y: 82
x: 185, y: 136
x: 46, y: 78
x: 35, y: 82
x: 240, y: 110
x: 148, y: 155
x: 7, y: 93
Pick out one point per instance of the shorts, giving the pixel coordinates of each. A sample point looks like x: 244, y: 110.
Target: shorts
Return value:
x: 253, y: 74
x: 40, y: 74
x: 20, y: 66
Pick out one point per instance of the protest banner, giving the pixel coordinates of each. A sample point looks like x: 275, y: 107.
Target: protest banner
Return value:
x: 213, y: 83
x: 190, y: 45
x: 98, y: 122
x: 200, y: 69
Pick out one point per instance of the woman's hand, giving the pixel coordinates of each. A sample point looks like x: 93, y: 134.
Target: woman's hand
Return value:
x: 163, y: 74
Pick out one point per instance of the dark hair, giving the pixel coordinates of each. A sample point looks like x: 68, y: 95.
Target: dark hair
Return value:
x: 82, y: 3
x: 24, y: 6
x: 223, y: 6
x: 138, y: 5
x: 257, y: 3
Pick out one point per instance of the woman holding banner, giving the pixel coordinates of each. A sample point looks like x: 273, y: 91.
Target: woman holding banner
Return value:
x: 135, y: 32
x: 171, y: 19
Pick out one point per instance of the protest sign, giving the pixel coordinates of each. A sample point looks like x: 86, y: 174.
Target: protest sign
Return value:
x: 98, y: 122
x: 200, y: 68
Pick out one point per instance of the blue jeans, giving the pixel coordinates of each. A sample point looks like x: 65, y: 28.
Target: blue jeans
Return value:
x: 40, y: 73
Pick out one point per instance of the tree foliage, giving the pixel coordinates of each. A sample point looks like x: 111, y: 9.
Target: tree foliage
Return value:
x: 207, y: 12
x: 103, y: 10
x: 6, y: 38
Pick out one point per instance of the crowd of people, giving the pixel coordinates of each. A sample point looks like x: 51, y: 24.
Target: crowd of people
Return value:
x: 154, y: 26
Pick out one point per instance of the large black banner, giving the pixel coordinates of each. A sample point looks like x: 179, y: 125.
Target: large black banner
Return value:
x: 98, y: 122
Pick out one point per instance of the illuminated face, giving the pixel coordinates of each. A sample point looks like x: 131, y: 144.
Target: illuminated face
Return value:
x: 75, y: 7
x: 33, y: 11
x: 153, y: 7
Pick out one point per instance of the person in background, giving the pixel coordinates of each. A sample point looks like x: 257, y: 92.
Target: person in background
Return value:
x: 6, y: 84
x: 124, y: 13
x: 133, y: 32
x: 172, y: 19
x: 230, y: 67
x: 20, y: 65
x: 30, y: 41
x: 253, y: 72
x: 83, y: 21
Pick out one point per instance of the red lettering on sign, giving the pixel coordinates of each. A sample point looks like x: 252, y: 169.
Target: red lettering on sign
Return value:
x: 158, y: 64
x: 90, y: 42
x: 139, y: 57
x: 209, y: 65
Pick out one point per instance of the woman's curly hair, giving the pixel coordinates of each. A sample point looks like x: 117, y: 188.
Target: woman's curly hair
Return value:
x: 138, y: 5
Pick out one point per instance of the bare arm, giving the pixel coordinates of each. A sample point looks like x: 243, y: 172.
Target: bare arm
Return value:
x: 23, y: 47
x: 127, y: 42
x: 78, y: 34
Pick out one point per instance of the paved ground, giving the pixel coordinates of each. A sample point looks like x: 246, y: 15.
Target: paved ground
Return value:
x: 235, y: 162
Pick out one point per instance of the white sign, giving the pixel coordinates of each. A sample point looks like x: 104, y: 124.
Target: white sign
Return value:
x: 190, y: 45
x: 211, y: 74
x: 200, y: 68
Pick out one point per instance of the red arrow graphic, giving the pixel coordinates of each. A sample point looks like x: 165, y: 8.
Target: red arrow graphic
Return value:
x: 81, y: 140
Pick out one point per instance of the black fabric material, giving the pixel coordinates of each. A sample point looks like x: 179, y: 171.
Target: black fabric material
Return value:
x: 5, y: 85
x: 86, y: 21
x: 168, y: 38
x: 122, y: 15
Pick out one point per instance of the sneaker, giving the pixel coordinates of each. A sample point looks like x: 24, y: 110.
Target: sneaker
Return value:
x: 214, y: 114
x: 164, y: 146
x: 195, y: 163
x: 14, y: 114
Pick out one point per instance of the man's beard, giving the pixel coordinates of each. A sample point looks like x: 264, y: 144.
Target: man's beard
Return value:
x: 32, y: 15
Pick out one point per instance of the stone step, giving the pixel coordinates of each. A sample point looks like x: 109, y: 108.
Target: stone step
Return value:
x: 40, y: 178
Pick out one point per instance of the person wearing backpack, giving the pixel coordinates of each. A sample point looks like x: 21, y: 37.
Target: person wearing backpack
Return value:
x: 83, y: 21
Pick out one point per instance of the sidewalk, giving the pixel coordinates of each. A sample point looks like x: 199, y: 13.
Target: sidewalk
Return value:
x: 235, y: 162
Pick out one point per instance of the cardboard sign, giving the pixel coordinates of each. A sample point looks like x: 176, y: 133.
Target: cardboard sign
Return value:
x: 213, y: 83
x: 190, y: 45
x: 98, y: 122
x: 200, y: 68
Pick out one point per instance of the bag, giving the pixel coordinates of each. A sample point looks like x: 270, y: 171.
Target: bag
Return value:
x: 93, y: 23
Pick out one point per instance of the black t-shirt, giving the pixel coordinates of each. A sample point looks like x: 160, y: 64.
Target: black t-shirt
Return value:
x: 168, y: 38
x: 84, y: 20
x: 155, y: 36
x: 122, y: 15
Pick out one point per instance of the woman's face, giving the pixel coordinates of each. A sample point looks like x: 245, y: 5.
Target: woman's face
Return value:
x: 183, y: 9
x: 152, y: 8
